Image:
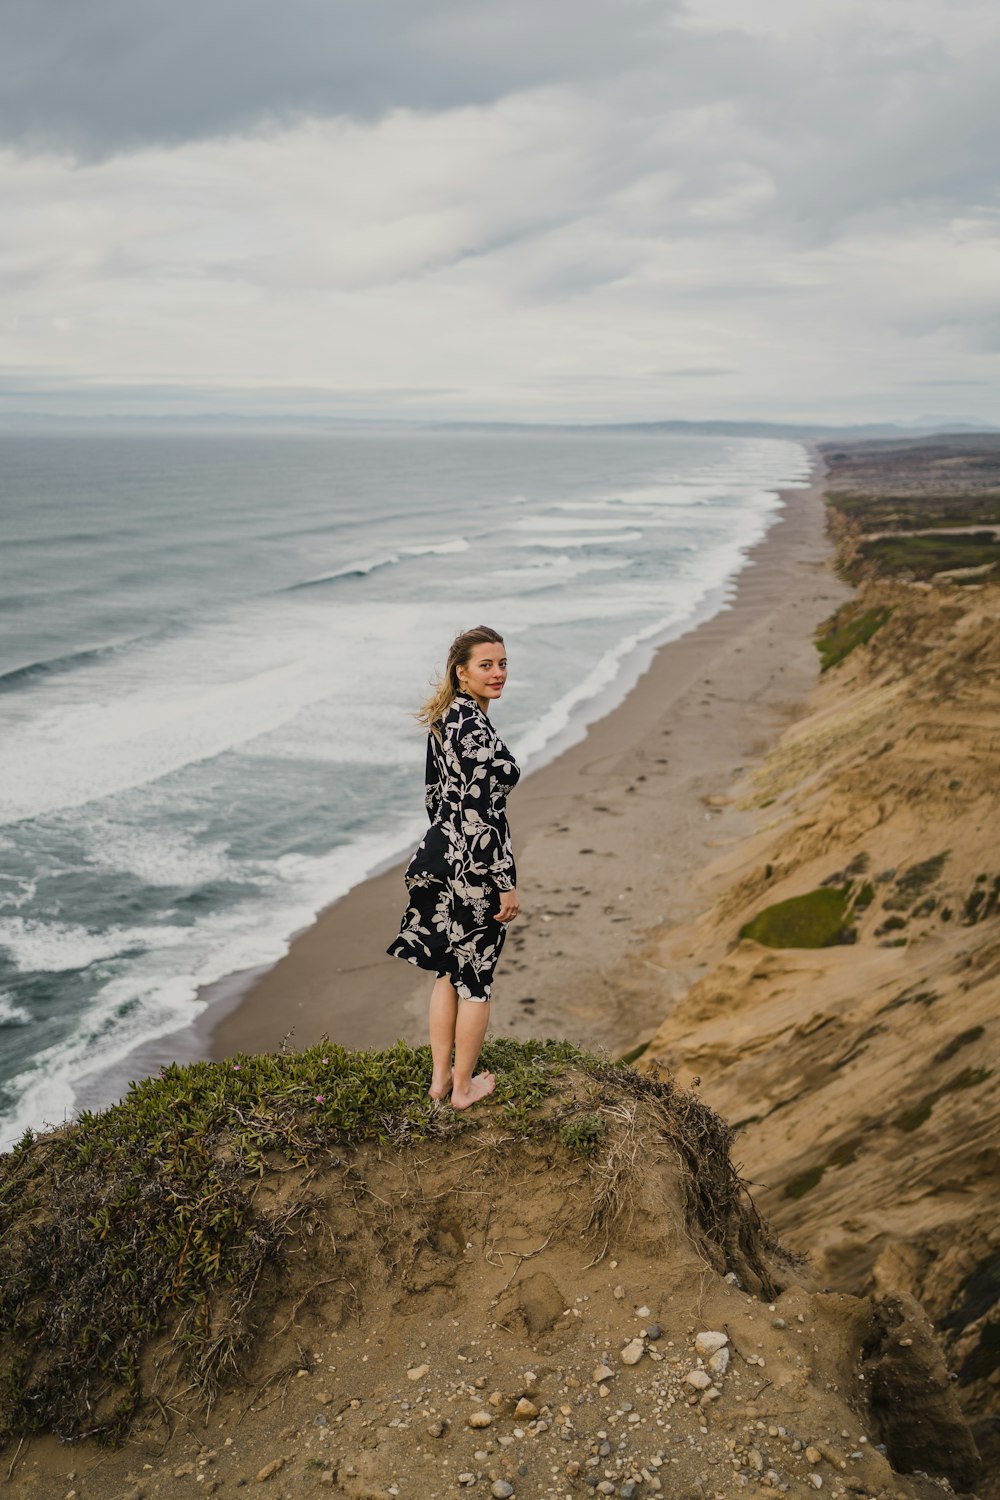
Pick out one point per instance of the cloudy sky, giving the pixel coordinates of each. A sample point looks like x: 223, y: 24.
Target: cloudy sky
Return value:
x: 575, y: 210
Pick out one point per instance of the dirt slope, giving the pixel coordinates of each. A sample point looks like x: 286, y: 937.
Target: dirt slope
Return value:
x: 866, y: 1074
x: 507, y: 1315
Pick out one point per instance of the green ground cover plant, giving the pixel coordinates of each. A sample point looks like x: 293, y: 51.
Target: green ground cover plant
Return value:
x: 923, y: 556
x: 848, y: 628
x: 817, y: 919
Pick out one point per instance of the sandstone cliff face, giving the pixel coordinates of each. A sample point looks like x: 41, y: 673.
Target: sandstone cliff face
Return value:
x: 866, y: 1074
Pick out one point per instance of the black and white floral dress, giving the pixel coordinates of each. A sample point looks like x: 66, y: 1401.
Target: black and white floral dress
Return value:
x: 465, y: 859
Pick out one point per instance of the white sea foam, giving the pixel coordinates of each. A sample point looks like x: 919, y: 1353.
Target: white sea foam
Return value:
x: 556, y: 523
x: 457, y: 544
x: 12, y: 1014
x: 562, y: 567
x: 129, y: 722
x: 54, y: 947
x: 156, y: 856
x: 572, y: 540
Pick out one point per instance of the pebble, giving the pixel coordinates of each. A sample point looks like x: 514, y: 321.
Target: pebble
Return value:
x: 619, y: 1292
x: 417, y: 1372
x: 700, y: 1379
x: 756, y: 1460
x: 269, y: 1470
x: 480, y: 1419
x: 633, y: 1352
x: 813, y: 1455
x: 603, y: 1372
x: 815, y: 1480
x: 653, y: 1331
x: 436, y: 1429
x: 525, y: 1408
x: 719, y: 1363
x: 709, y: 1342
x: 502, y: 1489
x: 642, y: 1312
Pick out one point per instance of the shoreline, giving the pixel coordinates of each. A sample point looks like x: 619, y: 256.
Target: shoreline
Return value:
x: 336, y: 980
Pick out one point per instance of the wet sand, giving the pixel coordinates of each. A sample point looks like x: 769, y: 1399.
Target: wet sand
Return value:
x: 610, y: 838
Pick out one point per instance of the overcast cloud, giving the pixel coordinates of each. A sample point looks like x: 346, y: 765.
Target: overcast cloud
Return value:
x: 564, y: 209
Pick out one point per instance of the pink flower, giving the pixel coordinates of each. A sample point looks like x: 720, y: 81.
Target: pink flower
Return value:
x: 319, y: 1098
x: 236, y: 1067
x: 326, y: 1059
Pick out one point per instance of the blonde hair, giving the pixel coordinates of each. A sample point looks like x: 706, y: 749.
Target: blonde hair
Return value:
x: 459, y: 651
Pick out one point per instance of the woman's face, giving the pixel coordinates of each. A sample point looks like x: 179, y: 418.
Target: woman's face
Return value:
x: 485, y: 673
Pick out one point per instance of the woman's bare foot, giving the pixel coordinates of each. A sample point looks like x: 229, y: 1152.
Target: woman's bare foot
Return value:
x: 484, y: 1083
x: 441, y: 1086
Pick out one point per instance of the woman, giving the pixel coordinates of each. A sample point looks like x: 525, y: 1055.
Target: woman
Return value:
x: 461, y: 880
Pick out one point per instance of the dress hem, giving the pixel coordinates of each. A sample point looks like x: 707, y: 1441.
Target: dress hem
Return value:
x: 433, y: 966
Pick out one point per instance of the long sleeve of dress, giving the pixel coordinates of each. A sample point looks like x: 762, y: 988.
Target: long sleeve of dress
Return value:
x: 486, y: 840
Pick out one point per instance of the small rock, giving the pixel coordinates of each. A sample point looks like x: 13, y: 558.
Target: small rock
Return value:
x: 502, y: 1489
x: 633, y: 1352
x: 778, y: 1323
x: 653, y: 1331
x: 417, y: 1372
x: 466, y: 1478
x: 700, y: 1379
x: 719, y: 1363
x: 813, y: 1454
x: 627, y: 1490
x: 436, y: 1429
x: 269, y: 1470
x: 756, y: 1460
x: 320, y: 1420
x: 182, y: 1470
x: 815, y: 1480
x: 619, y: 1292
x: 642, y: 1312
x: 480, y: 1419
x: 709, y: 1342
x: 525, y: 1408
x: 602, y: 1373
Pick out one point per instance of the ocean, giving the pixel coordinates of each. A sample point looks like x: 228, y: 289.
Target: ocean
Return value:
x: 211, y: 649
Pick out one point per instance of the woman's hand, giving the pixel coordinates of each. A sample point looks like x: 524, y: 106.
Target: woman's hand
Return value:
x: 509, y: 906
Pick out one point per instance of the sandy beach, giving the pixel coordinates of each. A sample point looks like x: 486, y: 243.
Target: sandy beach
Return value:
x: 611, y: 838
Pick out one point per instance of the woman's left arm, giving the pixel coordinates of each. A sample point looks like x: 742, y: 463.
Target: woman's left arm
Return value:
x: 482, y: 834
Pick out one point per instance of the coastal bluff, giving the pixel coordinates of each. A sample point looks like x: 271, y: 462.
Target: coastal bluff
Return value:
x: 847, y: 1024
x: 295, y: 1271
